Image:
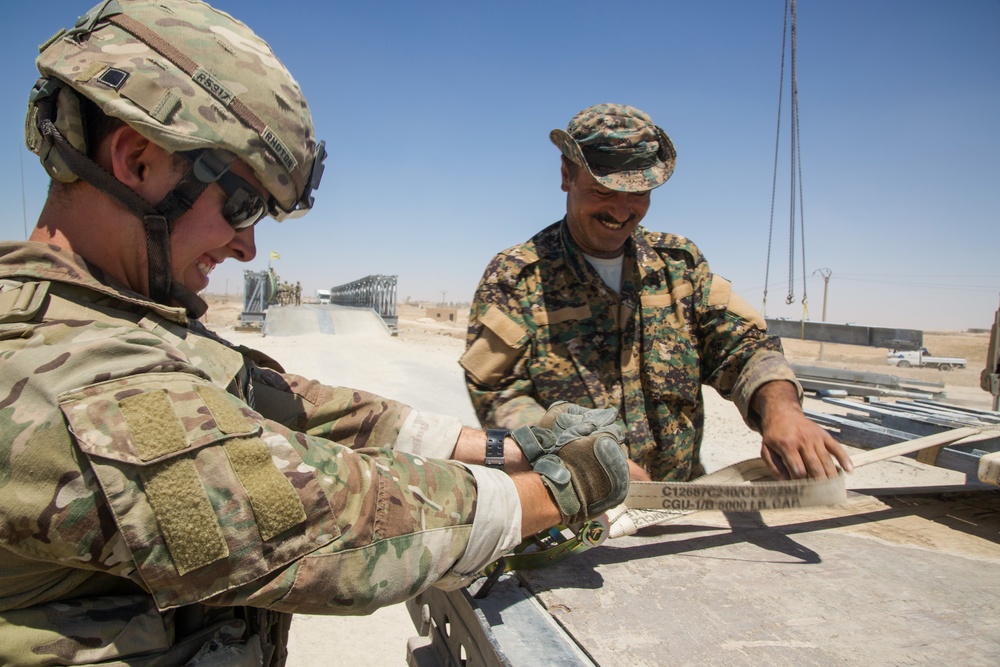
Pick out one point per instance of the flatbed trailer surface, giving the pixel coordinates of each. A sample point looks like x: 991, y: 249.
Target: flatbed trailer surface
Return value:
x: 890, y: 580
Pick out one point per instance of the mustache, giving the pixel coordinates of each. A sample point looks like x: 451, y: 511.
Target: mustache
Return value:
x: 607, y: 217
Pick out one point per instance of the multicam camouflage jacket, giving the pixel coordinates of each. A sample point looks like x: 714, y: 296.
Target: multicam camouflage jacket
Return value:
x: 545, y: 327
x: 165, y: 495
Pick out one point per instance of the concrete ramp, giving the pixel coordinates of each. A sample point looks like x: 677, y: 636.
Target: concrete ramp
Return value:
x: 325, y: 319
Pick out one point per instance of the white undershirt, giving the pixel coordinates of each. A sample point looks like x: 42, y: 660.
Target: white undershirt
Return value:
x: 610, y: 270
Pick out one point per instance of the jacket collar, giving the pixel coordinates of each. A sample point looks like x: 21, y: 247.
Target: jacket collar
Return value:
x: 31, y: 260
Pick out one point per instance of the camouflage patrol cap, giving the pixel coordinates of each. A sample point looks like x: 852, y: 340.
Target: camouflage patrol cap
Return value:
x: 619, y: 146
x: 187, y: 77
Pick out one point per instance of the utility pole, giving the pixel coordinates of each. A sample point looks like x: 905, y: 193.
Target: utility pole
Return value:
x: 826, y: 273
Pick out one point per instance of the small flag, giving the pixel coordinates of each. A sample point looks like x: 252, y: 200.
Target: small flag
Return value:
x: 275, y: 255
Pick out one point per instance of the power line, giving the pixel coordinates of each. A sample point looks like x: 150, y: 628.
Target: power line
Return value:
x: 904, y: 283
x: 919, y: 275
x: 911, y: 284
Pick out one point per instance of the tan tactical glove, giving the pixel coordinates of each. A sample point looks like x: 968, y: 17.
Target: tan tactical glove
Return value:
x: 562, y: 415
x: 586, y: 474
x: 562, y: 423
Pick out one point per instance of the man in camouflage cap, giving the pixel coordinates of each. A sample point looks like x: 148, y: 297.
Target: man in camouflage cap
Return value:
x: 597, y: 310
x: 167, y: 498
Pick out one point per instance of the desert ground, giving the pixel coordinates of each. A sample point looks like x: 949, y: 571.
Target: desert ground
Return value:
x: 419, y: 366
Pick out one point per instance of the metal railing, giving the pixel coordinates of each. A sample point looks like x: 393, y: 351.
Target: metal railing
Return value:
x: 377, y: 292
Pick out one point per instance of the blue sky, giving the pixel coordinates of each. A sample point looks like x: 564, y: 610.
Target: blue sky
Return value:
x: 437, y: 115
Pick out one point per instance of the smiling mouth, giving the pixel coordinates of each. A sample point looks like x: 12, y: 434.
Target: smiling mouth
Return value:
x: 205, y: 268
x: 611, y: 223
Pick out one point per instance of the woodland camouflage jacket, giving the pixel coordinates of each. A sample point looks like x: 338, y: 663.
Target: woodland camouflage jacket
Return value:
x: 544, y: 327
x: 161, y: 494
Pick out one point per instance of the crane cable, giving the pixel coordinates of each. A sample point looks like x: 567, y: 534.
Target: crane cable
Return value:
x: 795, y: 171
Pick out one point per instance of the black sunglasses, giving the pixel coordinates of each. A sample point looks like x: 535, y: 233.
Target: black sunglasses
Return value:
x: 245, y: 207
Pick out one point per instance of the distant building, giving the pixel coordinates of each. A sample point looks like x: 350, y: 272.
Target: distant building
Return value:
x: 443, y: 314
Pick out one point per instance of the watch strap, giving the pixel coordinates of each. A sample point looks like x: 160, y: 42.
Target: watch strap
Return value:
x: 494, y: 447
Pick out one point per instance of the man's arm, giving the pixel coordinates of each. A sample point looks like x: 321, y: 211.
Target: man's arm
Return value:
x: 471, y: 448
x: 496, y: 355
x: 794, y: 446
x: 538, y: 510
x: 579, y: 452
x: 748, y: 366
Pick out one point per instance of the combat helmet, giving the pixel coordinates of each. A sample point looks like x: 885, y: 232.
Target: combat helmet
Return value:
x: 194, y: 81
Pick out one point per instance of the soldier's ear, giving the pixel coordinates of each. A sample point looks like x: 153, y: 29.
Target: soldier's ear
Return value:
x: 567, y: 175
x: 132, y: 158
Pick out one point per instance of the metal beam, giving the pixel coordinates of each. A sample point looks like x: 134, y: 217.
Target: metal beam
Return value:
x: 847, y: 334
x: 377, y: 292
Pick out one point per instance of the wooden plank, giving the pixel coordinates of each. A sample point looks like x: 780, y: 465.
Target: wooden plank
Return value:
x: 989, y: 469
x: 910, y: 446
x: 929, y: 456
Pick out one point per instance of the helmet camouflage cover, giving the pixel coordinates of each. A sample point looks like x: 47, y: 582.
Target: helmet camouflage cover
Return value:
x: 186, y: 76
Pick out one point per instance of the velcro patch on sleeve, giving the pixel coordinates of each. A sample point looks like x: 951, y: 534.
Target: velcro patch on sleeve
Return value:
x: 205, y: 497
x: 719, y: 291
x: 179, y: 501
x: 549, y: 317
x: 739, y: 307
x: 721, y: 294
x: 185, y: 514
x: 155, y: 429
x: 667, y: 298
x: 496, y: 349
x: 275, y: 504
x: 509, y: 331
x: 228, y: 418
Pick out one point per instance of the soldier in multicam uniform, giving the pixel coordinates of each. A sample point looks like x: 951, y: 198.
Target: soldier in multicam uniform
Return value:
x: 596, y: 310
x: 167, y: 498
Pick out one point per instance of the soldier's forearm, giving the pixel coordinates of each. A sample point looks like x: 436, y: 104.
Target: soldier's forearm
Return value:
x: 538, y: 509
x: 774, y: 396
x: 471, y: 448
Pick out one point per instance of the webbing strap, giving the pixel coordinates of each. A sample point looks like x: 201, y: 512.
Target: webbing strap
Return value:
x: 747, y: 487
x: 158, y: 257
x: 89, y: 170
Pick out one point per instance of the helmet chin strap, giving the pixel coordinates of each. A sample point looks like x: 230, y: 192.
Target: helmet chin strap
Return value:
x: 157, y: 220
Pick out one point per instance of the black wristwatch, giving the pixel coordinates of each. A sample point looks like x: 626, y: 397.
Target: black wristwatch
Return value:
x: 494, y: 447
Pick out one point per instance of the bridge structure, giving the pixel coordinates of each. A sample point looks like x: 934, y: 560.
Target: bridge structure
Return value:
x: 260, y: 290
x: 377, y: 292
x: 374, y: 293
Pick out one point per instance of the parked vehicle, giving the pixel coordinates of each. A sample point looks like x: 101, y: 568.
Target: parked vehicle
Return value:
x: 923, y: 359
x: 323, y: 295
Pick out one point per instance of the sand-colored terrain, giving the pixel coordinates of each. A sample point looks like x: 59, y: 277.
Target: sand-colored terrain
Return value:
x: 961, y: 385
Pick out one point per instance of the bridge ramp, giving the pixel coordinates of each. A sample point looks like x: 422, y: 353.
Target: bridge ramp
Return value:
x: 323, y: 319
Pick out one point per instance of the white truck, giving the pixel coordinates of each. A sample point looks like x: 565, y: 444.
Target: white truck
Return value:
x: 922, y: 359
x: 323, y: 295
